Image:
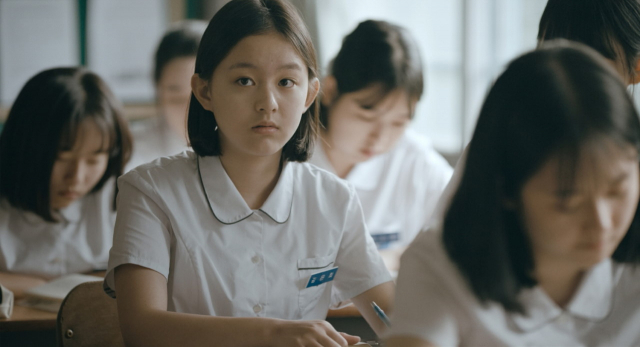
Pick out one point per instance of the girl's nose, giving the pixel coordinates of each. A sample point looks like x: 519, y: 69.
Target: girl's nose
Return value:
x: 599, y: 217
x: 75, y: 172
x: 266, y: 102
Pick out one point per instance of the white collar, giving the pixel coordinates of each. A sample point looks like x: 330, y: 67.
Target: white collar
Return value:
x: 73, y: 212
x: 592, y: 300
x: 363, y: 176
x: 226, y: 203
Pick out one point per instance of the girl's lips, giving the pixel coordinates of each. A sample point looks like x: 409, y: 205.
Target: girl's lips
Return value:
x: 261, y: 129
x: 69, y: 194
x: 367, y: 152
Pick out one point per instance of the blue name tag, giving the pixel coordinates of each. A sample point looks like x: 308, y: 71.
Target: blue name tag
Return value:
x: 322, y: 277
x: 383, y: 240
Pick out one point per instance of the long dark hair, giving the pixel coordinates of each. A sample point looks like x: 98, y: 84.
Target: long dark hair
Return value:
x: 235, y: 21
x: 548, y: 102
x: 45, y: 119
x: 377, y: 53
x: 611, y: 27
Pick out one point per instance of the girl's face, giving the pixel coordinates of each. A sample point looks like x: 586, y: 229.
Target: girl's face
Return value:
x: 258, y: 94
x: 77, y: 170
x: 585, y: 226
x: 361, y: 125
x: 174, y: 92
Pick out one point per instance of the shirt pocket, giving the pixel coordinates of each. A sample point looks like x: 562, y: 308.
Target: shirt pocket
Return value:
x: 308, y: 297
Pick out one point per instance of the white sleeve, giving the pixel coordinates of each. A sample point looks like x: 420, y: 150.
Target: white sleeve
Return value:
x: 360, y: 265
x: 424, y: 308
x: 142, y: 232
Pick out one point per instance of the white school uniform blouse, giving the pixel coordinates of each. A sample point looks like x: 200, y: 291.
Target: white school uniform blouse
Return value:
x: 80, y: 242
x: 434, y: 302
x: 398, y: 189
x: 183, y: 217
x: 153, y: 139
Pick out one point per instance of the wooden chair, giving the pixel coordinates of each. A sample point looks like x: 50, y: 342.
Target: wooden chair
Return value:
x: 88, y: 317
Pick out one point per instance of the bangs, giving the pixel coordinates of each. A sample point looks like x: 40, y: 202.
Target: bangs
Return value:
x: 104, y: 124
x: 602, y: 145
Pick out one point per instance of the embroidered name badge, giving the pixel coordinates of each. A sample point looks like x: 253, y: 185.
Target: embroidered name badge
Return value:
x: 322, y: 277
x: 383, y: 240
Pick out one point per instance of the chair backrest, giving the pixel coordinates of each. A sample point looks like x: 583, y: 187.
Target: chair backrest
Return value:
x: 88, y: 317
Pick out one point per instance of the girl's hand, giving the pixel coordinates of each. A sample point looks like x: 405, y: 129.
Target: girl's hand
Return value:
x: 308, y: 333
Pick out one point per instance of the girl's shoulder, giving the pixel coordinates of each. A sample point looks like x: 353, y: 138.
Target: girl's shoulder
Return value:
x: 171, y: 166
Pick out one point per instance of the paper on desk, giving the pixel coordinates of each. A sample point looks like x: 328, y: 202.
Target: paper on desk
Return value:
x: 6, y: 306
x: 49, y: 296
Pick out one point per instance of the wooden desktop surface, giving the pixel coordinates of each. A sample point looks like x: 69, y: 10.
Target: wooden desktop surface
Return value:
x: 26, y: 318
x: 31, y: 319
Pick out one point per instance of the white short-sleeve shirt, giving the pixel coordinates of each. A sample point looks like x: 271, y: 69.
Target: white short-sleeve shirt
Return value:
x: 434, y: 302
x: 183, y: 217
x: 398, y: 189
x: 79, y: 242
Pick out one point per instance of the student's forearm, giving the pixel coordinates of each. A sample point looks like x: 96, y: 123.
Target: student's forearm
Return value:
x: 407, y: 342
x: 162, y: 328
x: 382, y: 294
x: 18, y: 283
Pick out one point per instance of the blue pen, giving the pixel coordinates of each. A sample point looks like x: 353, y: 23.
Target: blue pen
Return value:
x: 383, y: 317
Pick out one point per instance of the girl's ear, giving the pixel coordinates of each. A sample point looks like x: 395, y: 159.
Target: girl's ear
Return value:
x: 329, y: 90
x: 636, y: 73
x: 200, y: 88
x: 312, y: 92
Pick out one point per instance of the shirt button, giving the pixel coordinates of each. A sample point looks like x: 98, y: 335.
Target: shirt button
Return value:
x: 257, y: 308
x: 56, y: 260
x: 255, y: 259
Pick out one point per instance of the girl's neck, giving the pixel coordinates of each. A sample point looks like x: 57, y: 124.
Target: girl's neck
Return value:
x: 339, y: 163
x: 254, y: 177
x: 559, y: 281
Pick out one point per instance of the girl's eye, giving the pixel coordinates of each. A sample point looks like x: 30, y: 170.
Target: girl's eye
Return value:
x: 366, y: 107
x: 367, y: 117
x: 286, y: 83
x: 244, y: 81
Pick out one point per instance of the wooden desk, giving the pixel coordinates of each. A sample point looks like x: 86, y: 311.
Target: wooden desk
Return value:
x: 25, y: 318
x: 31, y: 319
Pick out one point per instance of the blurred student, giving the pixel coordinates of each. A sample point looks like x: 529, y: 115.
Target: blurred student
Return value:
x: 368, y: 101
x: 238, y: 242
x: 63, y: 144
x: 541, y: 242
x: 175, y: 59
x: 610, y: 27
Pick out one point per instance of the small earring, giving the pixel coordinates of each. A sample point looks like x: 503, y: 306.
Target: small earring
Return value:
x: 216, y: 128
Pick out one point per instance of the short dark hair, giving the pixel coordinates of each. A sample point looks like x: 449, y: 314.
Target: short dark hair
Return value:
x: 180, y: 41
x: 43, y: 120
x: 235, y: 21
x: 610, y: 27
x: 549, y: 102
x: 377, y: 52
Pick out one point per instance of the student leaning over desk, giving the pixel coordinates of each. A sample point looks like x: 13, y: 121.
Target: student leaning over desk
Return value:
x: 63, y: 144
x: 610, y: 27
x: 369, y: 99
x: 541, y: 243
x: 166, y: 134
x: 222, y: 245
